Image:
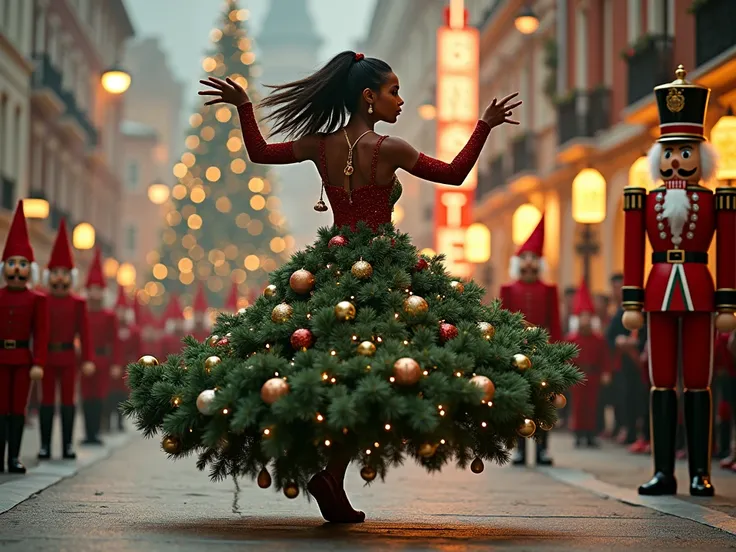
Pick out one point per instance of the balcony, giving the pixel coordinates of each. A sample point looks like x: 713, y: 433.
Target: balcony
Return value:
x: 715, y: 29
x: 46, y: 81
x: 649, y: 66
x: 599, y: 110
x: 7, y: 193
x: 580, y: 116
x: 490, y: 180
x: 524, y: 156
x: 76, y: 122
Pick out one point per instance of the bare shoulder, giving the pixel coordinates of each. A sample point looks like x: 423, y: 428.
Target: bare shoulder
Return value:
x: 399, y: 152
x: 307, y: 147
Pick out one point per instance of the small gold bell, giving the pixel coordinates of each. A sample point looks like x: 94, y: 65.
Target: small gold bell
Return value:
x: 320, y: 206
x: 349, y: 170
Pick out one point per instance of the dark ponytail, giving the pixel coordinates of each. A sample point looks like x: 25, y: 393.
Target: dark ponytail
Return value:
x: 321, y: 101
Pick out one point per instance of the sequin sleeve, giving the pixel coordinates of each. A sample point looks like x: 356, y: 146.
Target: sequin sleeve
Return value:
x: 258, y: 150
x: 454, y: 173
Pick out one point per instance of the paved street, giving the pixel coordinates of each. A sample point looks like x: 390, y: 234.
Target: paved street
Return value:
x: 138, y: 500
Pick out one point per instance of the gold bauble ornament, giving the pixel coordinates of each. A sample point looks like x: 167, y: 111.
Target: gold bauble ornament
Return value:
x: 282, y: 313
x: 148, y: 360
x: 171, y: 444
x: 407, y: 371
x: 522, y: 362
x: 527, y: 428
x: 211, y: 362
x: 487, y: 330
x: 476, y: 466
x: 415, y: 305
x: 212, y: 340
x: 270, y: 291
x: 427, y: 450
x: 302, y: 281
x: 366, y: 348
x: 482, y: 382
x: 544, y: 426
x: 458, y: 287
x: 264, y: 479
x: 362, y: 270
x: 368, y: 473
x: 273, y: 390
x: 345, y: 311
x: 291, y: 490
x: 559, y: 400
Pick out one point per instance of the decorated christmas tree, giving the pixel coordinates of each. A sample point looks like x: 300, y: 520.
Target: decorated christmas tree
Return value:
x: 223, y: 222
x: 358, y: 343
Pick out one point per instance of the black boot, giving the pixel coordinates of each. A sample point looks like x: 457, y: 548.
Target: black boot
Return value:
x: 519, y: 456
x: 96, y: 421
x: 17, y: 424
x: 67, y: 430
x: 543, y: 457
x: 46, y: 424
x: 119, y: 413
x: 724, y: 439
x: 90, y: 431
x: 592, y: 441
x: 663, y: 409
x: 4, y: 422
x: 699, y: 429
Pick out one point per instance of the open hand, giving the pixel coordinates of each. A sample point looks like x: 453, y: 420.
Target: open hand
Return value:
x: 501, y: 112
x: 227, y: 91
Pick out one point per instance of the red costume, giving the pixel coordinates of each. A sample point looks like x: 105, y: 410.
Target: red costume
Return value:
x: 679, y: 297
x: 231, y: 303
x: 68, y: 320
x: 106, y: 350
x: 199, y: 306
x: 540, y: 305
x: 173, y: 327
x: 130, y: 346
x: 593, y: 361
x: 24, y: 338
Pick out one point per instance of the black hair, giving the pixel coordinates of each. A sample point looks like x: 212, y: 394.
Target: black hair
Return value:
x: 617, y: 277
x: 321, y: 101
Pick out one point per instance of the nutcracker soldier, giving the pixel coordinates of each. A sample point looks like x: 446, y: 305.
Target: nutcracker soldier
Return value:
x: 201, y: 330
x: 592, y: 361
x: 106, y: 350
x: 129, y: 343
x: 24, y: 340
x: 679, y: 298
x: 67, y: 320
x: 539, y: 303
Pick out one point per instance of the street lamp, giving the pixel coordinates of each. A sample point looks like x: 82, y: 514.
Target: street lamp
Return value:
x: 477, y: 243
x: 158, y: 193
x: 524, y: 220
x: 723, y: 138
x: 35, y: 208
x: 83, y: 236
x: 526, y: 21
x: 588, y: 207
x: 126, y: 275
x: 116, y: 80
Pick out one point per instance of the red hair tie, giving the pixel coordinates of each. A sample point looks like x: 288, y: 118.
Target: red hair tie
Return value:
x: 358, y: 57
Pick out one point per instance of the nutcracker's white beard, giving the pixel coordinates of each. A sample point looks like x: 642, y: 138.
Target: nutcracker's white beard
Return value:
x: 676, y: 210
x: 573, y: 324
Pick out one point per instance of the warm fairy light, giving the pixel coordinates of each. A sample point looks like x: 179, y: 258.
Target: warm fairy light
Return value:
x: 255, y: 227
x: 325, y: 376
x: 209, y: 64
x: 387, y: 427
x: 194, y: 222
x: 252, y: 262
x: 176, y: 401
x: 257, y: 202
x: 442, y: 412
x: 396, y: 315
x: 277, y: 245
x: 392, y: 379
x: 212, y: 174
x: 189, y: 159
x: 110, y: 267
x: 544, y: 384
x: 490, y: 403
x: 379, y: 339
x: 160, y: 271
x: 442, y: 441
x: 268, y: 345
x: 333, y: 353
x: 309, y: 315
x: 458, y: 374
x: 247, y: 58
x: 223, y: 114
x: 406, y: 342
x: 267, y: 431
x: 179, y: 191
x: 367, y: 451
x: 185, y: 265
x: 327, y: 442
x: 189, y: 241
x: 208, y: 133
x: 483, y: 424
x: 256, y: 185
x: 425, y: 373
x: 320, y: 417
x: 197, y: 194
x: 195, y: 120
x: 215, y: 35
x: 180, y: 170
x: 376, y: 444
x: 355, y: 338
x: 192, y: 141
x: 234, y: 144
x: 225, y: 411
x: 333, y: 380
x: 173, y: 218
x: 186, y: 278
x: 237, y: 166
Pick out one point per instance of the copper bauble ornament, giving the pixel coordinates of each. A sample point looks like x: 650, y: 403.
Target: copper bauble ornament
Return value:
x: 204, y: 402
x: 362, y: 270
x: 368, y: 473
x: 415, y: 305
x: 545, y: 426
x: 264, y: 479
x: 171, y: 444
x: 211, y: 362
x: 291, y: 490
x: 273, y: 390
x: 282, y: 313
x: 447, y: 332
x: 337, y: 241
x: 407, y: 371
x: 212, y: 340
x: 458, y: 287
x: 270, y: 291
x: 421, y: 265
x: 366, y: 348
x: 527, y: 428
x: 487, y: 330
x: 476, y: 466
x: 522, y: 362
x: 482, y: 382
x: 148, y: 360
x: 302, y: 339
x: 559, y: 400
x: 345, y: 311
x: 427, y: 450
x: 302, y: 281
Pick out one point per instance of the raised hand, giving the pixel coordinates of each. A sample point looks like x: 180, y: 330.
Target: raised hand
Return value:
x: 501, y: 112
x: 226, y: 91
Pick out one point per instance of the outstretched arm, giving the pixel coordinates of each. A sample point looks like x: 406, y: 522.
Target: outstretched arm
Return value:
x: 404, y: 156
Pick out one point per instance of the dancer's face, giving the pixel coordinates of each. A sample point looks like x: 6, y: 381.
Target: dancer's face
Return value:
x: 386, y: 102
x: 680, y: 160
x: 17, y: 272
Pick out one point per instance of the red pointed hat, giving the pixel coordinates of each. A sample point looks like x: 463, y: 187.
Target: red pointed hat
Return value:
x: 232, y: 299
x: 173, y: 309
x: 583, y: 301
x: 122, y: 301
x: 200, y: 300
x: 61, y: 254
x: 95, y: 277
x: 17, y: 243
x: 535, y: 242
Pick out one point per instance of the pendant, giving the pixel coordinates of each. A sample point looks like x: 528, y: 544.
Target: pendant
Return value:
x: 349, y: 170
x: 320, y: 206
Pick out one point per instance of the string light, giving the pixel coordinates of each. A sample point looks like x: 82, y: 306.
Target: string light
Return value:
x: 387, y: 427
x: 225, y: 411
x: 333, y: 380
x: 327, y: 442
x: 320, y: 417
x: 392, y: 379
x: 376, y: 444
x: 483, y: 424
x: 325, y: 376
x: 442, y: 441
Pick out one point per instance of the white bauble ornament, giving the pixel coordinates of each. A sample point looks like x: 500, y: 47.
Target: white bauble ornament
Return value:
x: 204, y: 401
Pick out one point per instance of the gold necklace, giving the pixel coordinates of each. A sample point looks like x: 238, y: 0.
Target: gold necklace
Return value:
x: 349, y: 170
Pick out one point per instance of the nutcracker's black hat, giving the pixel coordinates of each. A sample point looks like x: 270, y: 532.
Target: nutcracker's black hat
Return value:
x: 682, y: 106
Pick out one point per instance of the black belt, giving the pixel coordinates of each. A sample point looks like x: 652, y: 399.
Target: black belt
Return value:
x: 678, y: 256
x: 59, y: 347
x: 103, y: 352
x: 10, y: 344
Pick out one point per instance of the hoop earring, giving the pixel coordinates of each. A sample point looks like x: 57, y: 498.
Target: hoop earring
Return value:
x: 370, y: 109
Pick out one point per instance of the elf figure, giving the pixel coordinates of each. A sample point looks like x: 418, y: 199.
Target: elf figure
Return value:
x: 231, y: 304
x: 129, y: 343
x: 24, y: 337
x: 68, y: 320
x: 539, y: 303
x: 593, y: 361
x: 201, y: 328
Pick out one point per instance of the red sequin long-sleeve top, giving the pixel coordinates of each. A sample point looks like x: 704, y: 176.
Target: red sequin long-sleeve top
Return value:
x: 370, y: 204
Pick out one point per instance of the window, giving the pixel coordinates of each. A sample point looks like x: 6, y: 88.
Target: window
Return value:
x: 132, y: 180
x: 131, y: 235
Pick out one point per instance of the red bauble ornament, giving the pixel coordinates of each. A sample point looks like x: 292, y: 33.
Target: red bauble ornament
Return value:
x: 224, y: 342
x: 447, y: 332
x: 422, y: 264
x: 302, y: 339
x: 338, y: 241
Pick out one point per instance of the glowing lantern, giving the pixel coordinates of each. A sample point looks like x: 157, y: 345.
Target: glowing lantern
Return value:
x: 158, y: 193
x: 35, y: 208
x: 524, y: 220
x: 110, y: 267
x: 723, y: 138
x: 526, y: 21
x: 639, y: 176
x: 589, y: 197
x: 116, y: 80
x: 477, y: 243
x: 83, y: 236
